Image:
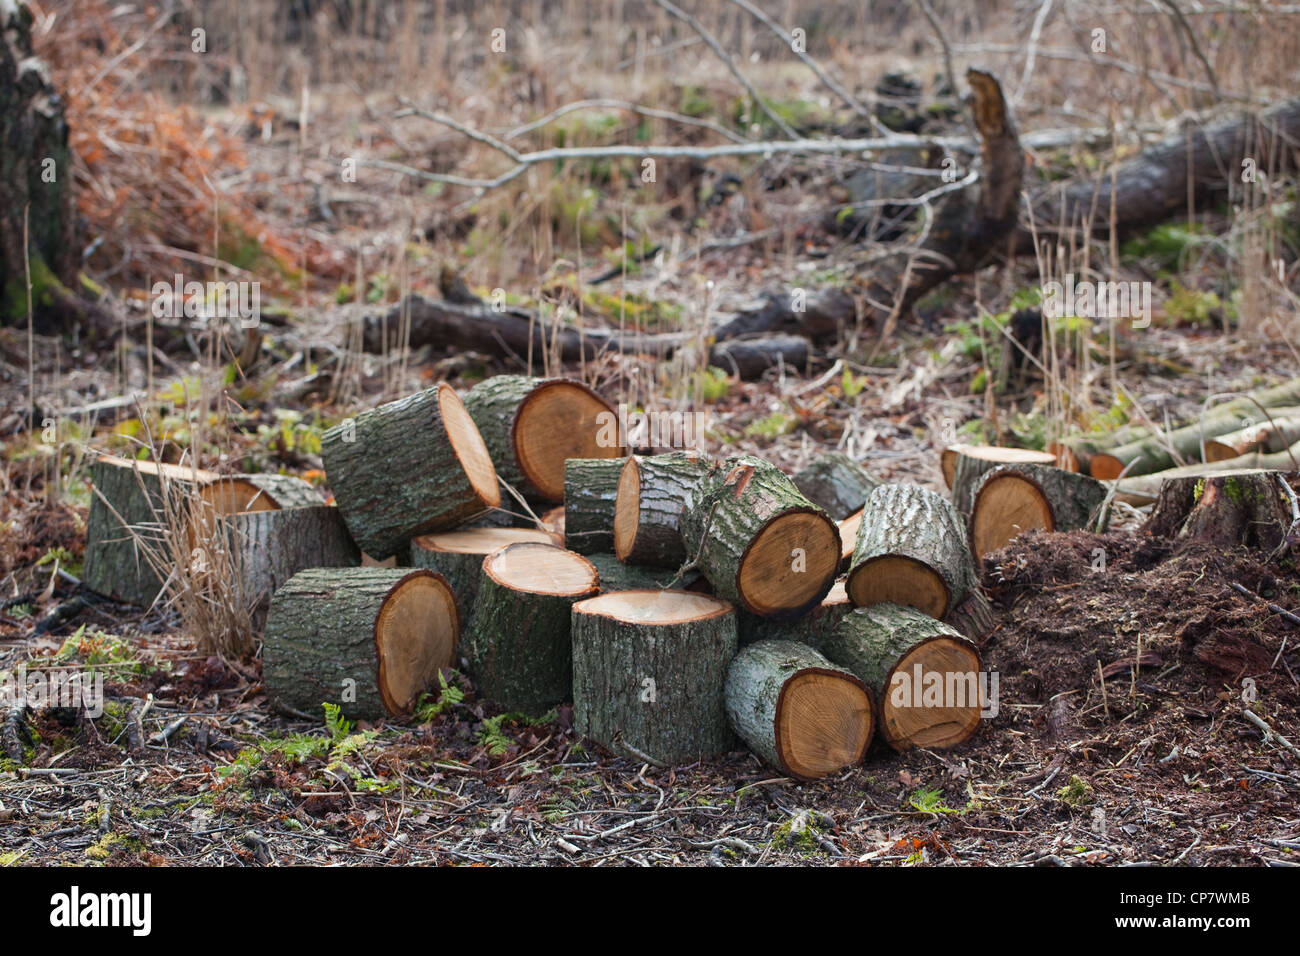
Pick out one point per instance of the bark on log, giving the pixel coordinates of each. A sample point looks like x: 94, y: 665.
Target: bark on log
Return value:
x: 532, y: 426
x: 458, y: 556
x: 1231, y: 509
x: 762, y: 544
x: 1144, y: 489
x: 409, y: 467
x: 923, y: 675
x: 1278, y: 433
x: 652, y: 493
x: 590, y: 494
x: 1148, y: 455
x: 232, y: 494
x: 811, y: 629
x: 649, y: 668
x: 617, y: 576
x: 798, y: 711
x: 370, y: 640
x: 143, y: 494
x: 911, y: 549
x: 969, y: 464
x: 974, y: 616
x: 836, y: 483
x: 519, y: 651
x: 1013, y: 499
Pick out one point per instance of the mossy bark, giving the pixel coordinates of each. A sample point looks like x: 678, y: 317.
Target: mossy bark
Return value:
x: 590, y: 492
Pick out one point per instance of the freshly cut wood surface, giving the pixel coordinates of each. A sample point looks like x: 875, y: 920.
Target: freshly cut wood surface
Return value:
x: 652, y: 493
x: 233, y: 494
x: 971, y: 462
x: 458, y: 556
x: 1013, y: 499
x: 849, y: 536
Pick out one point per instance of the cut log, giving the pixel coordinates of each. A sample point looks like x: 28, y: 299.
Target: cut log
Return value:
x: 798, y: 711
x: 590, y: 495
x: 532, y: 426
x: 971, y: 462
x: 923, y: 675
x: 1266, y: 437
x: 836, y: 483
x: 1013, y: 499
x: 232, y: 494
x: 911, y: 549
x: 1230, y: 509
x: 553, y: 520
x: 811, y: 629
x: 617, y: 576
x: 762, y: 544
x: 409, y: 467
x: 849, y: 538
x: 128, y: 504
x: 974, y: 616
x: 652, y: 493
x: 649, y: 668
x: 519, y: 650
x: 370, y: 640
x: 458, y: 556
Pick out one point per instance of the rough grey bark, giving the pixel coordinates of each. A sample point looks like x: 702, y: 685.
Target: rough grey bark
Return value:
x: 320, y: 641
x: 395, y: 474
x: 666, y: 484
x: 590, y: 491
x: 617, y: 576
x: 973, y: 616
x: 653, y: 692
x: 1226, y: 510
x: 493, y: 404
x: 756, y: 680
x: 276, y: 491
x: 811, y: 628
x: 836, y: 483
x: 912, y: 522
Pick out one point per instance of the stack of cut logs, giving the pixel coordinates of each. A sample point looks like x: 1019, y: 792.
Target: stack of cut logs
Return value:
x: 678, y: 602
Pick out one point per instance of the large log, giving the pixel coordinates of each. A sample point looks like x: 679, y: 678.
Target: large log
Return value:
x: 370, y: 640
x: 519, y: 651
x: 836, y: 483
x: 652, y: 493
x: 532, y: 426
x: 762, y: 544
x: 798, y: 711
x: 409, y: 467
x: 1013, y: 499
x: 1230, y: 509
x: 649, y: 668
x: 923, y: 674
x: 911, y: 549
x: 964, y: 466
x: 590, y: 495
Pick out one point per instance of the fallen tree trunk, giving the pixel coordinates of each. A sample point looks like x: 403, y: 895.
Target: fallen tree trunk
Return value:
x: 1147, y: 455
x: 798, y: 711
x: 1013, y: 499
x: 836, y: 483
x: 1145, y: 489
x: 590, y: 496
x: 370, y: 640
x: 652, y: 493
x: 649, y: 670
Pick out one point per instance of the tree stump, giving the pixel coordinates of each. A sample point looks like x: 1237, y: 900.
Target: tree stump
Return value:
x: 458, y: 556
x: 798, y: 711
x: 969, y: 463
x: 370, y: 640
x: 409, y: 467
x: 652, y: 493
x: 519, y: 650
x: 911, y: 549
x: 532, y: 426
x: 836, y: 483
x: 1013, y: 499
x: 762, y: 544
x: 590, y: 495
x: 1224, y: 510
x: 649, y: 669
x: 923, y: 674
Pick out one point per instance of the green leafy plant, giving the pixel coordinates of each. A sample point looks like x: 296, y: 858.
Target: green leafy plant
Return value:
x: 929, y: 800
x: 448, y: 697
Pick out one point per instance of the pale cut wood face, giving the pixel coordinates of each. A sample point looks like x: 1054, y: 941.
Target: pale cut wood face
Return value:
x: 933, y: 726
x: 823, y: 723
x: 416, y: 633
x: 538, y: 568
x: 558, y: 421
x: 1007, y: 506
x: 774, y: 577
x: 895, y: 579
x: 481, y: 540
x: 655, y: 607
x: 468, y: 446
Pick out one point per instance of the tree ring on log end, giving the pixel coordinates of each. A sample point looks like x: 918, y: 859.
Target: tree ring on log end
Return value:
x: 790, y: 565
x: 557, y: 421
x: 416, y: 632
x: 537, y: 568
x: 897, y: 579
x: 627, y: 508
x: 823, y: 722
x: 468, y: 446
x: 655, y: 607
x: 1006, y: 506
x: 943, y: 667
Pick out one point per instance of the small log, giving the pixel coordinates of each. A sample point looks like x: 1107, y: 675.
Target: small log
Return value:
x: 911, y: 549
x: 849, y: 538
x: 761, y: 544
x: 649, y: 668
x: 370, y: 640
x: 617, y: 576
x: 810, y: 629
x: 923, y: 675
x: 409, y: 467
x: 458, y: 556
x: 798, y: 711
x: 519, y: 651
x: 233, y: 494
x: 532, y: 426
x: 553, y: 520
x: 836, y: 483
x: 652, y: 493
x: 128, y: 504
x: 1265, y: 438
x: 590, y: 496
x: 1013, y: 499
x: 971, y: 462
x: 1230, y: 509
